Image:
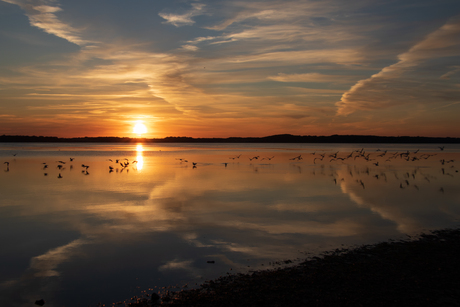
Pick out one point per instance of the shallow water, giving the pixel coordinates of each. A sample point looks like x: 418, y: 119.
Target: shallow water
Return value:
x: 82, y: 235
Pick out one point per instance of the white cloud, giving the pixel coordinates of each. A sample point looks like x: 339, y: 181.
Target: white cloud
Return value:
x: 190, y: 47
x: 183, y: 19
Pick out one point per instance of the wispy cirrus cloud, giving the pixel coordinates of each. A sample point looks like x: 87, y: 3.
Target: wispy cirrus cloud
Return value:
x: 309, y: 77
x: 270, y: 11
x: 447, y: 75
x: 399, y: 84
x: 184, y: 19
x: 42, y: 14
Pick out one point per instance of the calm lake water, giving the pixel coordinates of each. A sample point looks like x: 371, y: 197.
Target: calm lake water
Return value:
x: 78, y: 233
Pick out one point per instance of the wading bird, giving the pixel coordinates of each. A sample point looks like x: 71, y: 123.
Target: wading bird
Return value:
x: 298, y: 158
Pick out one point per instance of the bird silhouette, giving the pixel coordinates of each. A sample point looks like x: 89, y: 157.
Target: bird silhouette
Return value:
x: 334, y: 155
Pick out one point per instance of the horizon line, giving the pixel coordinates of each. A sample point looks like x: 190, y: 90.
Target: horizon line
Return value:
x: 277, y: 138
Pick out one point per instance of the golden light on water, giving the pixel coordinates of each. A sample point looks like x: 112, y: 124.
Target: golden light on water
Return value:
x: 139, y: 157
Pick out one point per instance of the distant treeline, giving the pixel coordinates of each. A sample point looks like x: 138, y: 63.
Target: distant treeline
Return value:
x: 281, y: 138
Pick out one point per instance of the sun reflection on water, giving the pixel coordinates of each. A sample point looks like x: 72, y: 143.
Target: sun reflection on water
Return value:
x: 139, y: 157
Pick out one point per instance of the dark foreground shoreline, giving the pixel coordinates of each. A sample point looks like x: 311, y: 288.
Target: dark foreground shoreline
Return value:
x: 421, y: 272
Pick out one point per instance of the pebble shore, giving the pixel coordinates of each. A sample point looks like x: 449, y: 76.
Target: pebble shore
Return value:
x: 421, y: 272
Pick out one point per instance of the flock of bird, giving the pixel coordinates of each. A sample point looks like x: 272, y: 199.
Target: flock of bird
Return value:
x: 359, y: 153
x: 405, y: 180
x: 120, y: 166
x: 375, y: 158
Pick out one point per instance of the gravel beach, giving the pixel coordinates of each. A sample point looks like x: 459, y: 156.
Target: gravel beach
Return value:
x: 420, y: 272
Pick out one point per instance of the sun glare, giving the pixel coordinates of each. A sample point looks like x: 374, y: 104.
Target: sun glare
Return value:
x: 140, y: 128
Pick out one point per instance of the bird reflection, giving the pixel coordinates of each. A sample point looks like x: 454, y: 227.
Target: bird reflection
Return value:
x: 359, y: 168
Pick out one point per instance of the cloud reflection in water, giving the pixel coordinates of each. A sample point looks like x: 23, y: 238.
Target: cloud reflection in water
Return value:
x: 161, y: 221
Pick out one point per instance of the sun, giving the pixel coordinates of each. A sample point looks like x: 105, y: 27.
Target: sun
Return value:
x: 140, y: 128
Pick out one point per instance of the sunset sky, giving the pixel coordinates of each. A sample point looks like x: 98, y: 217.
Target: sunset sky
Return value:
x: 229, y: 68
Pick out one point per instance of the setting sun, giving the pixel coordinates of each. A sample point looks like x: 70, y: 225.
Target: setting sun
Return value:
x: 140, y: 128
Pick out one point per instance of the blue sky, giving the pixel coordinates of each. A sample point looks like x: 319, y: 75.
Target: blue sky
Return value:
x: 229, y: 68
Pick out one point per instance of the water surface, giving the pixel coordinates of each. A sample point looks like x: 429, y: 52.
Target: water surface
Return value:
x: 97, y: 230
